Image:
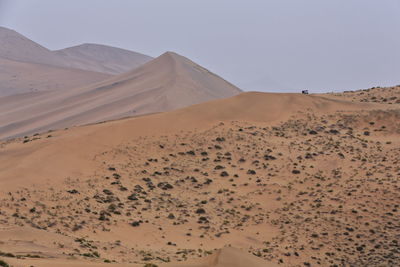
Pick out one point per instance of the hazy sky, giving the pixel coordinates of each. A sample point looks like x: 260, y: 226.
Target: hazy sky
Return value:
x: 322, y: 45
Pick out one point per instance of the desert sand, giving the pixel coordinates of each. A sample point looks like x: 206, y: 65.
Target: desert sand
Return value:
x: 271, y: 179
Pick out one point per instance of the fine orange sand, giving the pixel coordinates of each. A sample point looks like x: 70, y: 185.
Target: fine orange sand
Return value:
x: 288, y: 179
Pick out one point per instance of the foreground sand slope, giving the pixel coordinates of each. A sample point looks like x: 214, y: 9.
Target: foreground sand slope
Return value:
x: 225, y: 257
x: 293, y: 179
x: 166, y: 83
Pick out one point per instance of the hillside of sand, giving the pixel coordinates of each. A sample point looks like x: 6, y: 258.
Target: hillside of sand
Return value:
x: 166, y: 83
x: 295, y: 180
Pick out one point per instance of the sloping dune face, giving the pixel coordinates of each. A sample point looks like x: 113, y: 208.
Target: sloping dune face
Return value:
x: 18, y: 77
x: 294, y: 180
x: 101, y: 58
x: 166, y: 83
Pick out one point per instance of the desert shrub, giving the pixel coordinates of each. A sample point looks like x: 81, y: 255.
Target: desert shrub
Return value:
x: 4, y: 264
x: 200, y: 211
x: 224, y: 174
x: 6, y: 254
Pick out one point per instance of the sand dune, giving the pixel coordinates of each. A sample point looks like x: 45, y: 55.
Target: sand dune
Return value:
x: 102, y: 58
x: 166, y: 83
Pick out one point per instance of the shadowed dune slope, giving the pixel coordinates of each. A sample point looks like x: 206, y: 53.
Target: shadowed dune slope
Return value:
x: 166, y: 83
x: 102, y: 58
x: 18, y: 77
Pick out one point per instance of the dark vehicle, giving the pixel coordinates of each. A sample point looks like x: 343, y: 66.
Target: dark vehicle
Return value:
x: 304, y: 92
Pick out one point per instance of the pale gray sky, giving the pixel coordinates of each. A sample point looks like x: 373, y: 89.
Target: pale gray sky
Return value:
x: 287, y: 45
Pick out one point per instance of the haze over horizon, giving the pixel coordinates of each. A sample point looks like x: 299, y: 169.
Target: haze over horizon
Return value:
x: 257, y: 45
